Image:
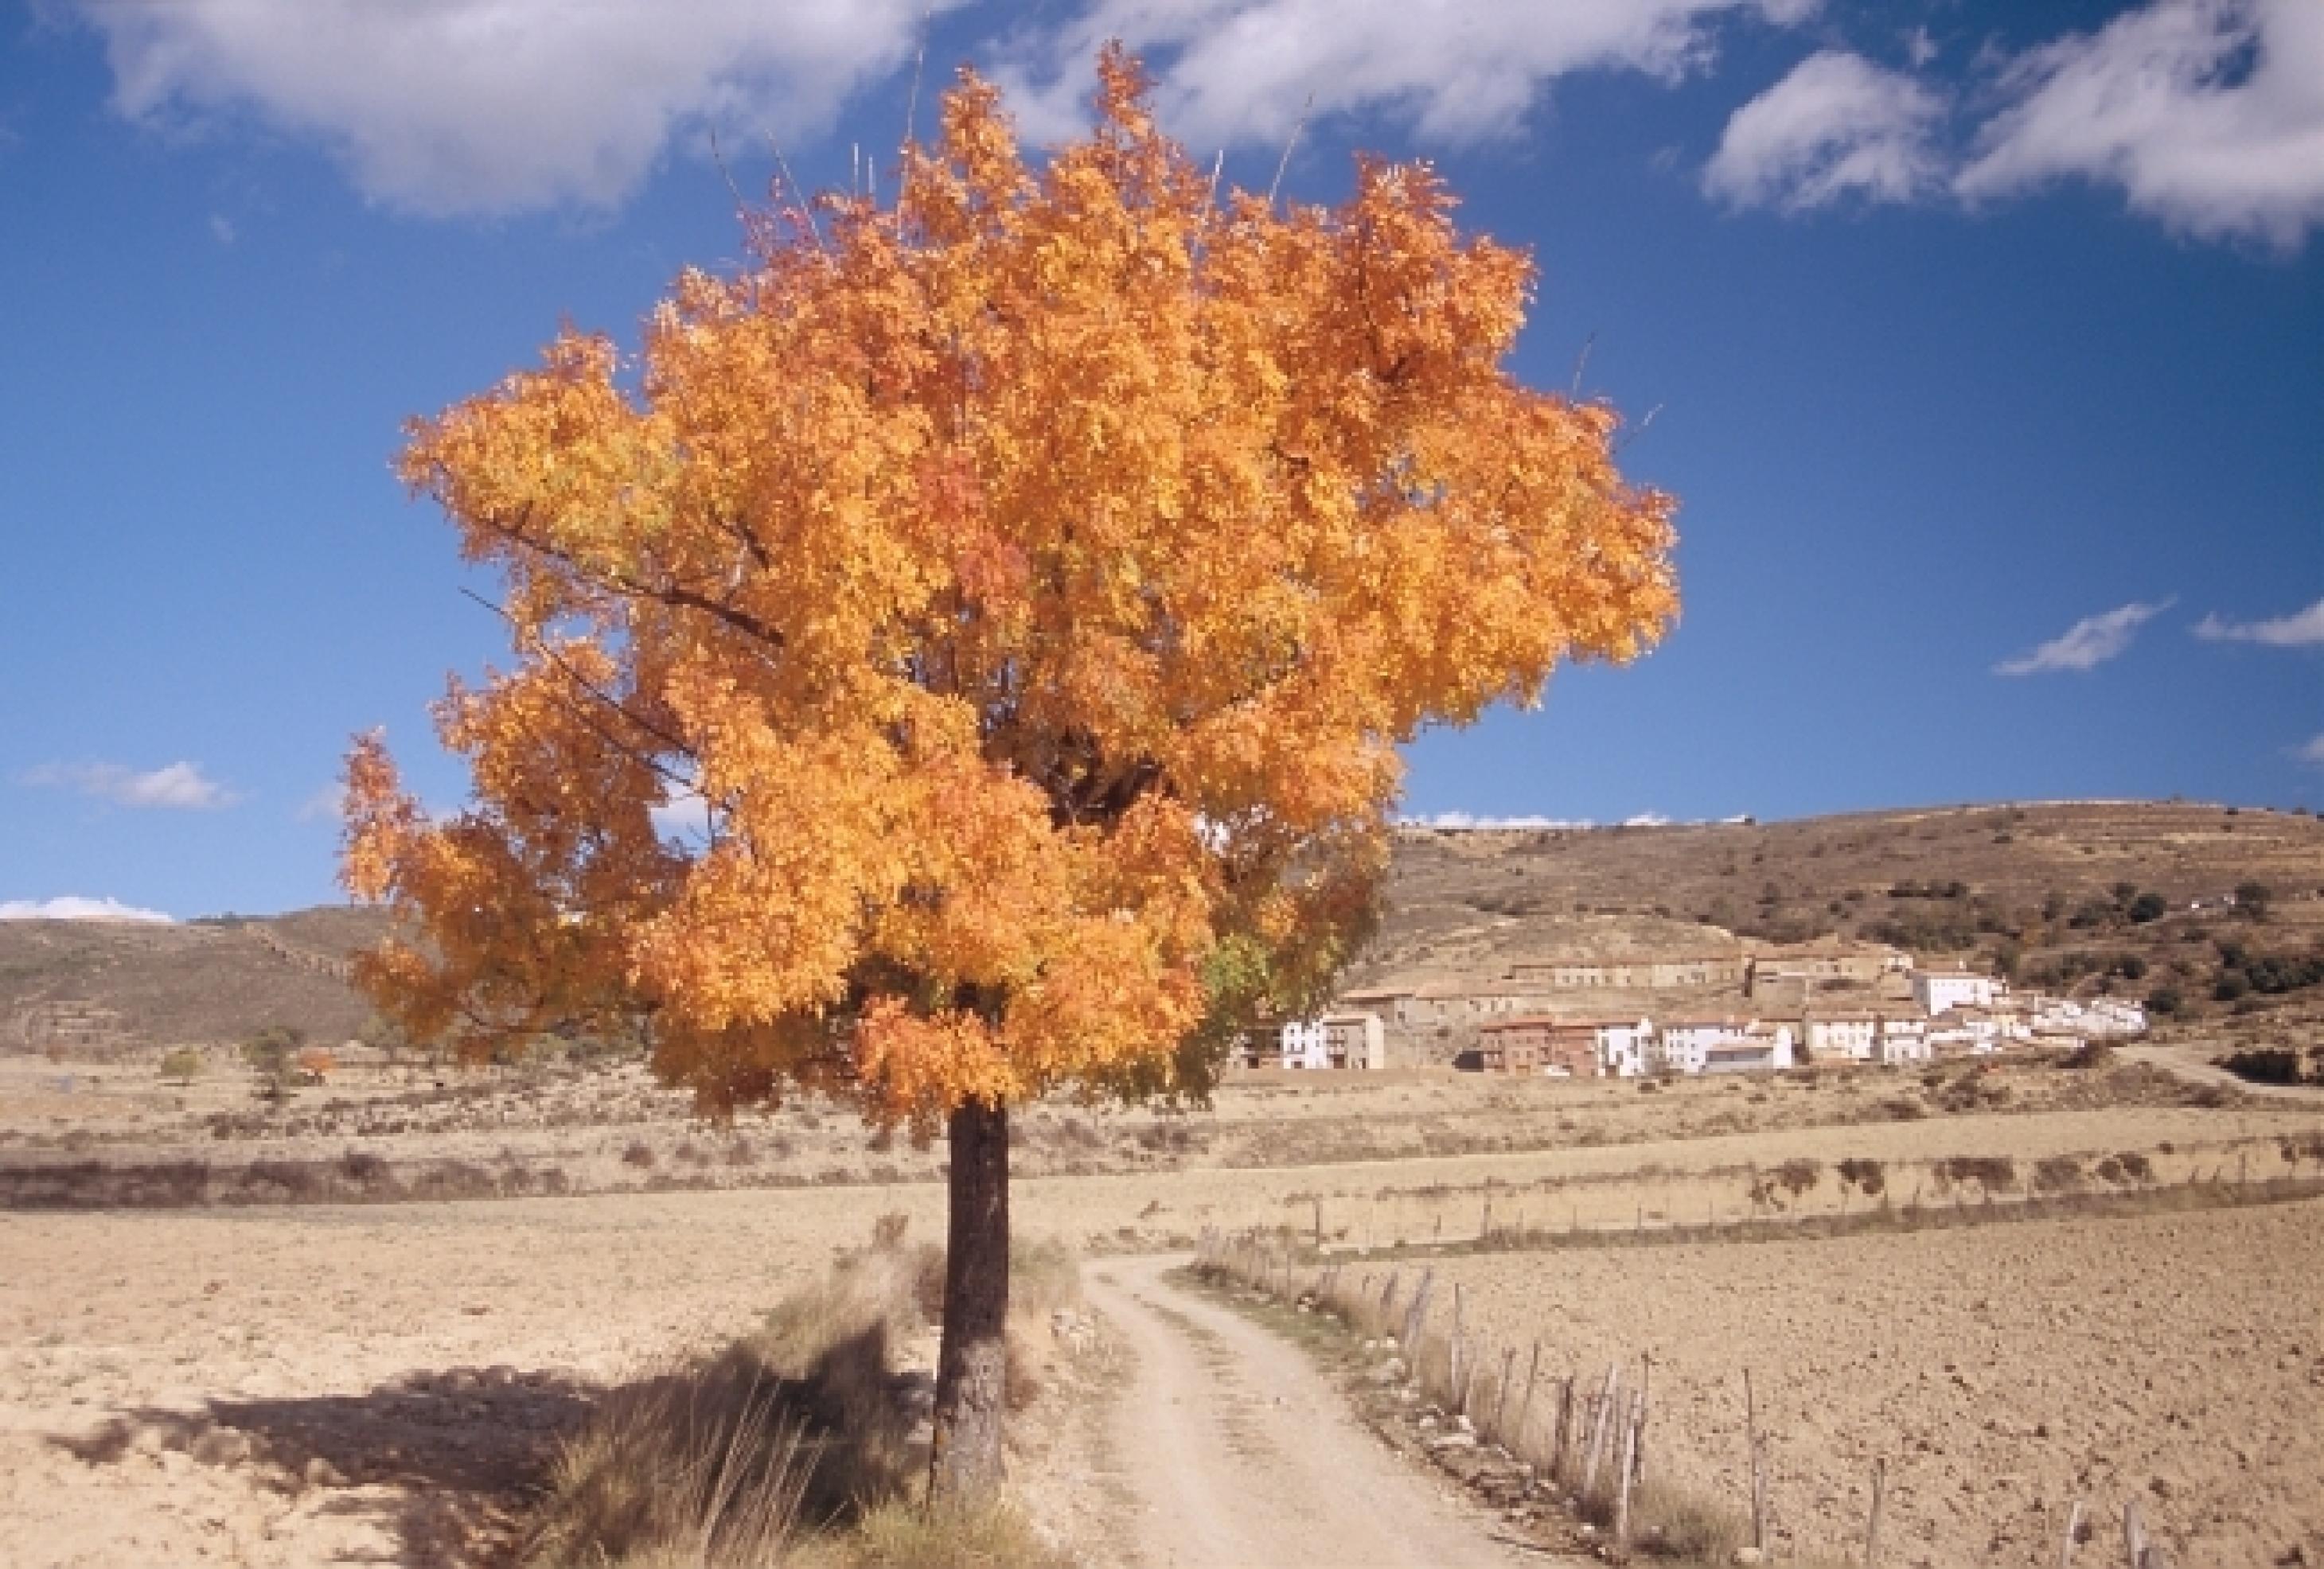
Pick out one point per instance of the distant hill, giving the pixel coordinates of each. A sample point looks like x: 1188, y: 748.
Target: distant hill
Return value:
x: 2037, y: 887
x: 2048, y: 890
x: 100, y: 986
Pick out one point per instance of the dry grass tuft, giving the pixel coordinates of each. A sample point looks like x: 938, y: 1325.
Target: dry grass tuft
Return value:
x: 796, y: 1444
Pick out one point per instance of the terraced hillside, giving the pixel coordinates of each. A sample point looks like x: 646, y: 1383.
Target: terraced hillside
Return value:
x: 140, y: 985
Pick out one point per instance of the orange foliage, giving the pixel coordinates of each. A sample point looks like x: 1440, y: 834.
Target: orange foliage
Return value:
x: 1030, y: 583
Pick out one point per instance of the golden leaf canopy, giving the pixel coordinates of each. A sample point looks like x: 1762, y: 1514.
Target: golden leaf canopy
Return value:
x: 1025, y: 586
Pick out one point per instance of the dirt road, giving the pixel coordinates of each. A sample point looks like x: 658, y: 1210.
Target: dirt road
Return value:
x: 1229, y: 1449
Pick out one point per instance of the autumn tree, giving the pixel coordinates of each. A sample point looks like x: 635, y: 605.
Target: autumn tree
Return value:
x: 1025, y: 585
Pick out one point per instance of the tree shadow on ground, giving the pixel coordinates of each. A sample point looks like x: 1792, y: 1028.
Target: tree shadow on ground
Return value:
x: 453, y: 1463
x: 444, y: 1461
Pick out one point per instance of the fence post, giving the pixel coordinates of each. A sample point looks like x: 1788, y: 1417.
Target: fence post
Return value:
x: 1533, y: 1372
x: 1600, y: 1429
x: 1758, y: 1466
x: 1872, y: 1527
x: 1629, y: 1465
x: 1458, y: 1390
x: 1501, y: 1396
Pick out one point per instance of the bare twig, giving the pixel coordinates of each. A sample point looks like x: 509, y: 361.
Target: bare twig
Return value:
x: 1285, y: 161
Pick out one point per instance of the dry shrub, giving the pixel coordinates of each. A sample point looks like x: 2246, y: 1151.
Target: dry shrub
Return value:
x: 2090, y: 1054
x: 793, y: 1446
x: 639, y: 1154
x: 904, y: 1535
x: 1869, y: 1175
x: 699, y: 1470
x: 1993, y: 1173
x: 1669, y: 1522
x: 2058, y: 1174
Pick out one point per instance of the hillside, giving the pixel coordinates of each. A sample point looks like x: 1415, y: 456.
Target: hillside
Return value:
x: 2050, y: 891
x: 95, y: 987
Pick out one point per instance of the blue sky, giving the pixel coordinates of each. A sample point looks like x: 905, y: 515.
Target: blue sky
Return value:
x: 1986, y: 343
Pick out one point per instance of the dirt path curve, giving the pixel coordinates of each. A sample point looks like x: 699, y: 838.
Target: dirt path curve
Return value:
x: 1229, y: 1449
x: 2188, y: 1064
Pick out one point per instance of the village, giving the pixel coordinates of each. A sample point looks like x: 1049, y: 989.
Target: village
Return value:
x: 1749, y: 1012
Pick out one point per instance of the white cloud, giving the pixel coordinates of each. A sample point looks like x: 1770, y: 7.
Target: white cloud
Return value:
x: 221, y: 228
x: 2087, y: 643
x: 482, y: 106
x: 2311, y: 751
x: 1236, y: 72
x: 1486, y: 823
x: 1838, y: 126
x: 2209, y: 114
x: 177, y: 786
x: 2300, y: 629
x: 328, y: 804
x: 1647, y: 820
x: 71, y: 907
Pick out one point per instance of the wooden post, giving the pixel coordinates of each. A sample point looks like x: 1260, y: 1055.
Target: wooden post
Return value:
x: 1645, y: 1392
x: 1564, y: 1426
x: 1459, y: 1391
x: 1318, y: 1203
x: 1485, y: 1225
x: 2074, y: 1531
x: 1533, y: 1372
x: 1758, y: 1466
x: 1501, y: 1395
x: 1629, y: 1465
x: 1413, y: 1317
x: 1601, y: 1427
x: 2141, y: 1548
x: 1872, y: 1527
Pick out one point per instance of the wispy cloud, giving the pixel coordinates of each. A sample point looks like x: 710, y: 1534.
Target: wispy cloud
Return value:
x: 2311, y: 752
x: 1837, y: 126
x: 2088, y: 643
x: 328, y: 804
x: 2207, y: 114
x: 490, y: 106
x: 1486, y: 822
x: 2300, y: 629
x: 1238, y: 72
x: 176, y: 786
x: 71, y: 907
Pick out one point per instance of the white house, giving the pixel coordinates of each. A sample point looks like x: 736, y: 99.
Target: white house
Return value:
x: 1847, y: 1037
x: 1335, y: 1040
x: 1903, y: 1038
x: 1965, y: 1033
x: 1866, y: 1037
x: 1761, y: 1048
x: 1939, y: 991
x: 1303, y: 1043
x: 1692, y: 1045
x: 1625, y: 1048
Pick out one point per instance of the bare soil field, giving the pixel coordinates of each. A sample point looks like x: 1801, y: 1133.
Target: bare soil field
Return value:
x: 254, y: 1376
x: 280, y: 1384
x: 2002, y: 1373
x: 115, y: 1135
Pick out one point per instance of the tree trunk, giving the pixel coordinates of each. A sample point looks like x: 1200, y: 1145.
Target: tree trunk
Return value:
x: 965, y: 1461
